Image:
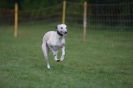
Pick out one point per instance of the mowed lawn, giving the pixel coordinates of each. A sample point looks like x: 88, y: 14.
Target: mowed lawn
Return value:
x: 104, y: 61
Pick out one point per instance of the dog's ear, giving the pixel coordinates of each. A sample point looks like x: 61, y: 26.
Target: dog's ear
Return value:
x: 57, y: 27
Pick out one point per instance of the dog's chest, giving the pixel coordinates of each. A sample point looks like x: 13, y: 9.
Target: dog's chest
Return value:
x: 56, y: 43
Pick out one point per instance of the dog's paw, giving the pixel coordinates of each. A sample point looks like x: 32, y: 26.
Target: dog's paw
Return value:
x: 58, y: 60
x: 61, y: 60
x: 48, y: 66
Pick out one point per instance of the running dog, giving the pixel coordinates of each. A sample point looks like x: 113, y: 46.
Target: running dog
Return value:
x: 54, y: 40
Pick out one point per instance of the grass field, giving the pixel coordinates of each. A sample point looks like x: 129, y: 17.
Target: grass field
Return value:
x: 104, y: 61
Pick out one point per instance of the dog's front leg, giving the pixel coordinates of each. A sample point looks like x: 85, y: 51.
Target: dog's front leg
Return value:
x: 55, y: 53
x: 63, y: 53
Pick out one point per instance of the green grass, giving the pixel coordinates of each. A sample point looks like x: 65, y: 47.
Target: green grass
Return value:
x: 104, y: 61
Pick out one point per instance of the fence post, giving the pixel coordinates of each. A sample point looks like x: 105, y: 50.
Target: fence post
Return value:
x: 16, y: 20
x: 64, y: 12
x: 84, y: 21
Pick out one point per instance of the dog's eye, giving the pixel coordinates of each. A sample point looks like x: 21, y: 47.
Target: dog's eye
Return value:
x: 61, y: 27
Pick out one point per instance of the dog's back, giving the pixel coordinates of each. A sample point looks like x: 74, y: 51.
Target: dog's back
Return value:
x: 49, y: 35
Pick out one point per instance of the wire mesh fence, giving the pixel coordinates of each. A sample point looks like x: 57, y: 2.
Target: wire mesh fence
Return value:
x: 120, y: 14
x: 112, y: 14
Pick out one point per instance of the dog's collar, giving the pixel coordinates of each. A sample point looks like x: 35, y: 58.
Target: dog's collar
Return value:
x: 59, y: 33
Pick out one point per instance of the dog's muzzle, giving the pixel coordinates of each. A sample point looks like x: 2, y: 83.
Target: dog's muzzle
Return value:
x: 66, y: 32
x: 61, y: 33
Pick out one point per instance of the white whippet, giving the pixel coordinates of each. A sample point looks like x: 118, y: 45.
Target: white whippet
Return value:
x: 53, y: 40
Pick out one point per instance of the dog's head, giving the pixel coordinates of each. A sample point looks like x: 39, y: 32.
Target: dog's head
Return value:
x: 62, y: 29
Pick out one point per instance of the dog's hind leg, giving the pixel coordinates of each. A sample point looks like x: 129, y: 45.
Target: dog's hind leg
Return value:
x: 45, y: 52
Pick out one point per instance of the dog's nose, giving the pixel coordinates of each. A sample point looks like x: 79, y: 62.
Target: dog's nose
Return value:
x: 66, y: 32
